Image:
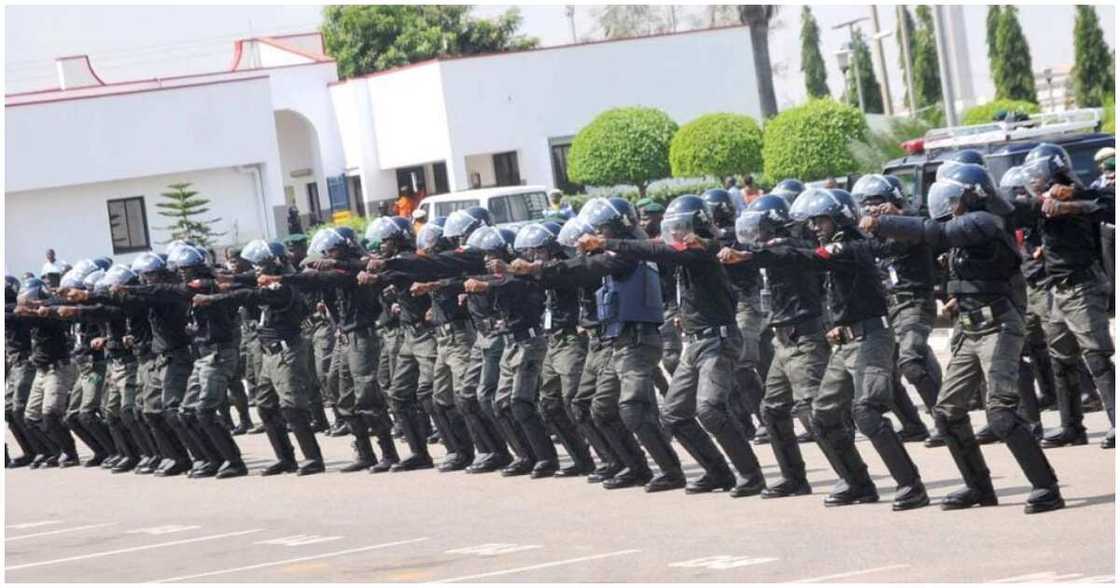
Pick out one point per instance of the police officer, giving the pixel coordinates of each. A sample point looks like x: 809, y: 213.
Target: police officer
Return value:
x: 361, y: 401
x: 630, y: 313
x: 567, y: 347
x: 702, y: 385
x: 650, y: 214
x: 788, y: 189
x: 521, y: 305
x: 20, y: 376
x: 1106, y: 185
x: 965, y: 212
x: 238, y: 396
x: 1069, y: 221
x: 283, y: 401
x: 862, y: 358
x: 910, y: 278
x: 54, y: 374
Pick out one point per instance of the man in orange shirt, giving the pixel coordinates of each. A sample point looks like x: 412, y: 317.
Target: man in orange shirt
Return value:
x: 405, y: 202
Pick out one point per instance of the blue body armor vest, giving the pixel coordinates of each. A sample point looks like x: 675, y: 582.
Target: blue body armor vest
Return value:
x: 633, y: 298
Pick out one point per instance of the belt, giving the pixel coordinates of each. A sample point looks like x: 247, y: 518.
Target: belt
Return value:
x: 789, y: 334
x: 723, y: 332
x: 564, y: 331
x: 522, y: 335
x: 275, y: 347
x: 458, y: 326
x: 901, y: 296
x: 1076, y: 279
x: 485, y: 326
x: 857, y: 331
x: 984, y: 317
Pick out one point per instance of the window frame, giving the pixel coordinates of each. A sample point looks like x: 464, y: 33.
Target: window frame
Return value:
x: 147, y: 246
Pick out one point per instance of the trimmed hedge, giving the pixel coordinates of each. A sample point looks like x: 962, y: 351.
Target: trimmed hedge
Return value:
x: 812, y: 141
x: 719, y: 145
x: 622, y: 146
x: 986, y: 113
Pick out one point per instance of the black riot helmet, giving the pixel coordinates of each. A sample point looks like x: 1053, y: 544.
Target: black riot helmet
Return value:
x: 1048, y: 164
x: 431, y: 238
x: 764, y: 219
x: 537, y: 242
x: 967, y: 156
x: 788, y: 189
x: 11, y: 289
x: 685, y: 215
x: 572, y: 231
x: 264, y: 256
x: 722, y: 206
x: 836, y: 204
x: 614, y: 217
x: 393, y: 234
x: 876, y: 189
x: 494, y: 242
x: 461, y: 223
x: 1014, y: 182
x: 969, y: 184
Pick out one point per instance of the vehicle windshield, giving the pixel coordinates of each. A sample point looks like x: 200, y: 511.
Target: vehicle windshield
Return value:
x: 446, y: 208
x: 908, y: 176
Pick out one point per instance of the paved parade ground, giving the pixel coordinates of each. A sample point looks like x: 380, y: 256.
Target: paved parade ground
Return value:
x: 88, y: 525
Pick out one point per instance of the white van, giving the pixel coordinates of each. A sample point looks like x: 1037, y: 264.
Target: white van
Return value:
x: 511, y: 206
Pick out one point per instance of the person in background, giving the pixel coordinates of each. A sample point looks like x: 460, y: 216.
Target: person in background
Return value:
x: 419, y: 219
x: 406, y: 202
x: 750, y: 191
x: 50, y: 255
x: 556, y: 203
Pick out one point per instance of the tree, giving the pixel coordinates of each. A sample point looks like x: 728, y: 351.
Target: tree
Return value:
x: 1012, y: 71
x: 716, y: 145
x: 986, y: 113
x: 1093, y: 63
x: 184, y: 206
x: 907, y: 22
x: 812, y: 141
x: 622, y: 21
x: 369, y: 38
x: 991, y: 26
x: 627, y: 145
x: 812, y: 64
x: 927, y: 77
x: 757, y: 18
x: 868, y: 82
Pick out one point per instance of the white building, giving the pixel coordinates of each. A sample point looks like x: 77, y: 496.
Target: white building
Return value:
x: 87, y: 161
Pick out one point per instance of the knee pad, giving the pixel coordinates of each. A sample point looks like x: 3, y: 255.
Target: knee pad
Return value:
x: 771, y: 414
x: 1099, y: 363
x: 1003, y: 421
x: 551, y: 408
x: 913, y: 371
x: 868, y: 420
x: 711, y: 418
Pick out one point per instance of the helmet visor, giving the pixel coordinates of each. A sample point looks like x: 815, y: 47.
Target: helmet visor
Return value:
x: 943, y: 198
x: 676, y: 228
x: 324, y: 241
x: 382, y: 229
x: 118, y: 275
x: 1038, y: 175
x: 874, y: 186
x: 258, y: 253
x: 750, y: 227
x: 598, y: 212
x: 458, y: 224
x: 429, y: 235
x: 73, y: 279
x: 572, y: 231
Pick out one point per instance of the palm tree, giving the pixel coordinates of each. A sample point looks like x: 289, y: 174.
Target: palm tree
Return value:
x: 758, y: 18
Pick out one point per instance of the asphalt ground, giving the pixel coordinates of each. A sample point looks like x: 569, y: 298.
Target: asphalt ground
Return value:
x: 87, y: 525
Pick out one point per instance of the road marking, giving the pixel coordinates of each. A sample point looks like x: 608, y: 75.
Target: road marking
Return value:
x: 293, y: 560
x: 493, y: 549
x: 850, y: 574
x: 129, y: 550
x: 164, y: 529
x: 297, y: 540
x: 58, y: 531
x: 722, y: 562
x: 1038, y: 577
x: 550, y: 564
x: 32, y: 525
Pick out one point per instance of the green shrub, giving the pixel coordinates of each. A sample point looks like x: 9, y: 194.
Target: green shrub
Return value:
x: 356, y: 222
x: 879, y: 148
x: 1108, y: 124
x: 716, y: 145
x: 622, y: 146
x: 986, y: 113
x: 812, y: 141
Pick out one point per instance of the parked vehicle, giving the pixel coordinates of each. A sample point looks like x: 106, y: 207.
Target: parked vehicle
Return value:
x: 511, y: 206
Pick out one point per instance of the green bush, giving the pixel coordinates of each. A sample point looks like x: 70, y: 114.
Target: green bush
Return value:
x: 356, y: 222
x: 812, y: 141
x: 879, y: 148
x: 622, y: 146
x: 716, y: 145
x: 1108, y: 124
x: 986, y: 113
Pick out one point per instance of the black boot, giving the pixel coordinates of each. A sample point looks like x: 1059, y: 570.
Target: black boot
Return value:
x: 211, y: 460
x: 716, y: 476
x: 187, y: 439
x: 308, y: 445
x: 127, y: 452
x: 1045, y: 495
x: 985, y: 436
x: 806, y: 435
x: 736, y: 445
x: 364, y: 457
x: 522, y: 465
x: 451, y: 446
x: 788, y: 455
x: 574, y: 444
x: 77, y: 427
x: 1068, y: 382
x: 277, y: 431
x: 175, y: 459
x: 913, y: 429
x: 911, y: 493
x: 464, y: 440
x: 631, y: 468
x: 318, y: 419
x: 60, y: 436
x: 389, y: 456
x: 966, y: 454
x: 529, y: 420
x: 608, y: 459
x: 855, y: 485
x: 221, y: 438
x: 412, y: 423
x: 657, y: 445
x: 23, y: 439
x: 497, y: 454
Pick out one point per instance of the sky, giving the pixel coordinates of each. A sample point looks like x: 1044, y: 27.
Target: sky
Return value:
x: 135, y: 42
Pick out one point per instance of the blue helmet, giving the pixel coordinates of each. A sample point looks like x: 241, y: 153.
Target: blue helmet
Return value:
x: 83, y: 268
x: 788, y: 189
x: 390, y: 228
x: 461, y: 223
x: 968, y: 183
x: 119, y: 275
x: 90, y: 281
x: 103, y: 262
x: 262, y: 253
x: 494, y: 241
x: 836, y: 204
x: 686, y: 214
x: 722, y: 205
x: 967, y: 156
x: 553, y: 227
x: 763, y: 219
x: 430, y: 238
x: 75, y: 278
x: 572, y: 231
x: 534, y: 236
x: 614, y: 212
x: 148, y: 263
x: 877, y: 187
x: 186, y: 257
x: 33, y: 289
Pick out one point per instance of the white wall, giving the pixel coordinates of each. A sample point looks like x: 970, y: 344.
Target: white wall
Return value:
x: 517, y: 101
x: 99, y: 139
x: 74, y: 220
x: 299, y: 151
x: 409, y: 118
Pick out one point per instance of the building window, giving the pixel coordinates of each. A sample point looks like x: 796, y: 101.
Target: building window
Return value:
x: 439, y: 176
x: 506, y: 172
x: 128, y: 225
x: 313, y: 208
x: 559, y: 149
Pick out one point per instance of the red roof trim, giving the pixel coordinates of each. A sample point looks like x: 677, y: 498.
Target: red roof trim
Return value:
x: 237, y: 48
x: 140, y: 91
x: 535, y: 49
x: 180, y: 77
